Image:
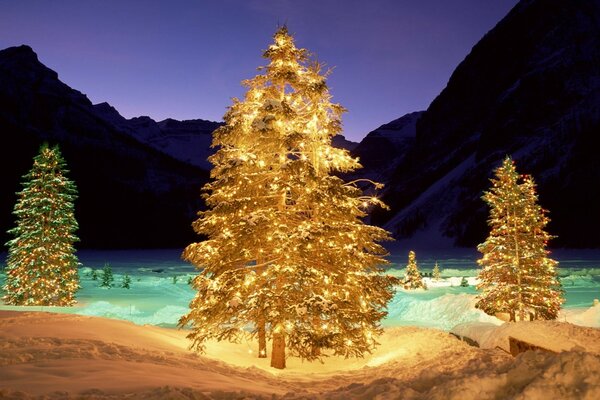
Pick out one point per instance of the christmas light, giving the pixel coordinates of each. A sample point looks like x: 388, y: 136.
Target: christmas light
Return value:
x: 278, y: 214
x: 412, y: 277
x: 41, y: 268
x: 517, y: 276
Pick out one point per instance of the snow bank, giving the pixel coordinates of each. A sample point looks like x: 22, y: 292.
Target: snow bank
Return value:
x: 588, y: 317
x: 452, y: 281
x: 61, y: 356
x: 551, y: 335
x: 167, y: 316
x: 444, y: 312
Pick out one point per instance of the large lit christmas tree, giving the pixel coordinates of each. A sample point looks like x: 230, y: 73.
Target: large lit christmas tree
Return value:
x: 287, y: 253
x: 41, y: 268
x: 517, y: 276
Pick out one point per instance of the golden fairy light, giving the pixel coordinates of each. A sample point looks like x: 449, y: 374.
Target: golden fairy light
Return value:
x: 283, y: 232
x: 517, y: 276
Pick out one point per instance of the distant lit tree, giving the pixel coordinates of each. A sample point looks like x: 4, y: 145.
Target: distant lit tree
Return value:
x: 412, y: 277
x: 517, y: 276
x: 41, y: 268
x: 287, y: 252
x: 436, y: 274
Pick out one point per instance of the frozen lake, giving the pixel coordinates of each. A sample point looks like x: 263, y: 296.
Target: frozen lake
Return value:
x: 159, y: 292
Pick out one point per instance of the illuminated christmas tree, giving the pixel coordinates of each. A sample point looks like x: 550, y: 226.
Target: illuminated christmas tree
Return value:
x: 517, y: 276
x: 412, y: 277
x: 436, y: 274
x: 286, y: 252
x: 41, y: 268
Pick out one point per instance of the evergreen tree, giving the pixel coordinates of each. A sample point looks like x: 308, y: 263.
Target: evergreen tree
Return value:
x: 436, y: 274
x: 94, y: 275
x: 287, y: 251
x: 412, y: 277
x: 517, y: 276
x: 107, y: 277
x: 126, y: 284
x: 41, y: 268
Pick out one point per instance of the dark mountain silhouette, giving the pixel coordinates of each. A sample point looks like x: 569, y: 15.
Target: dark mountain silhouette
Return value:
x: 139, y: 180
x: 382, y: 150
x: 130, y: 194
x: 531, y: 89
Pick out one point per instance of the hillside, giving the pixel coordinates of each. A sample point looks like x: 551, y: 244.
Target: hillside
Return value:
x: 130, y: 194
x: 530, y: 89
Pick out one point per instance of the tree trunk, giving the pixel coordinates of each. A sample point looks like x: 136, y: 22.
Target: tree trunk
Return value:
x: 278, y: 351
x: 262, y: 339
x: 315, y: 351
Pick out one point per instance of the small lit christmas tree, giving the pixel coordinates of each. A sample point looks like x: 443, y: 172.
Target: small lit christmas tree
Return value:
x: 41, y: 268
x: 412, y: 277
x: 436, y: 274
x: 287, y: 251
x: 517, y: 276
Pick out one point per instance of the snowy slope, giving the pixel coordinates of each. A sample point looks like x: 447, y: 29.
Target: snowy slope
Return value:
x: 529, y: 88
x: 68, y: 357
x: 383, y: 149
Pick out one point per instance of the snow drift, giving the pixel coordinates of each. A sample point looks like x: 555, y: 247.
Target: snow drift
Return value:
x: 66, y: 356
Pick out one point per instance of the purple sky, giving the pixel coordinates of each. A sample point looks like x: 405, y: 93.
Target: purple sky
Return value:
x: 185, y: 59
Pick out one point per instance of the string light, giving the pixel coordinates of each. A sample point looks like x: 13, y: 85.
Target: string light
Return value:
x: 41, y: 265
x: 517, y: 276
x: 281, y: 228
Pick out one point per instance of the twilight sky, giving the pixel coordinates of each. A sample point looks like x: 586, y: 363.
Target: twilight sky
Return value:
x: 185, y: 59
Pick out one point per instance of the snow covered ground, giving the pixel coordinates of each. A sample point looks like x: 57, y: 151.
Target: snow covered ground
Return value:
x: 160, y: 293
x: 67, y: 356
x: 75, y: 354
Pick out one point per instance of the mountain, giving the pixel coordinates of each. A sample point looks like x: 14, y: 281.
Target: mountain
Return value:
x: 139, y: 180
x: 188, y: 141
x: 131, y: 194
x: 383, y: 149
x: 530, y: 88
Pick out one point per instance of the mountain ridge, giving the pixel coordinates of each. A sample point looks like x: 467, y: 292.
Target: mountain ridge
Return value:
x: 128, y: 192
x: 529, y: 88
x: 139, y: 180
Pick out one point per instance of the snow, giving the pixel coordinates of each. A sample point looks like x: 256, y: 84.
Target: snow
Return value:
x: 160, y: 293
x: 399, y: 130
x: 554, y: 336
x: 444, y: 312
x: 65, y: 356
x: 431, y: 193
x: 79, y: 355
x: 589, y: 317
